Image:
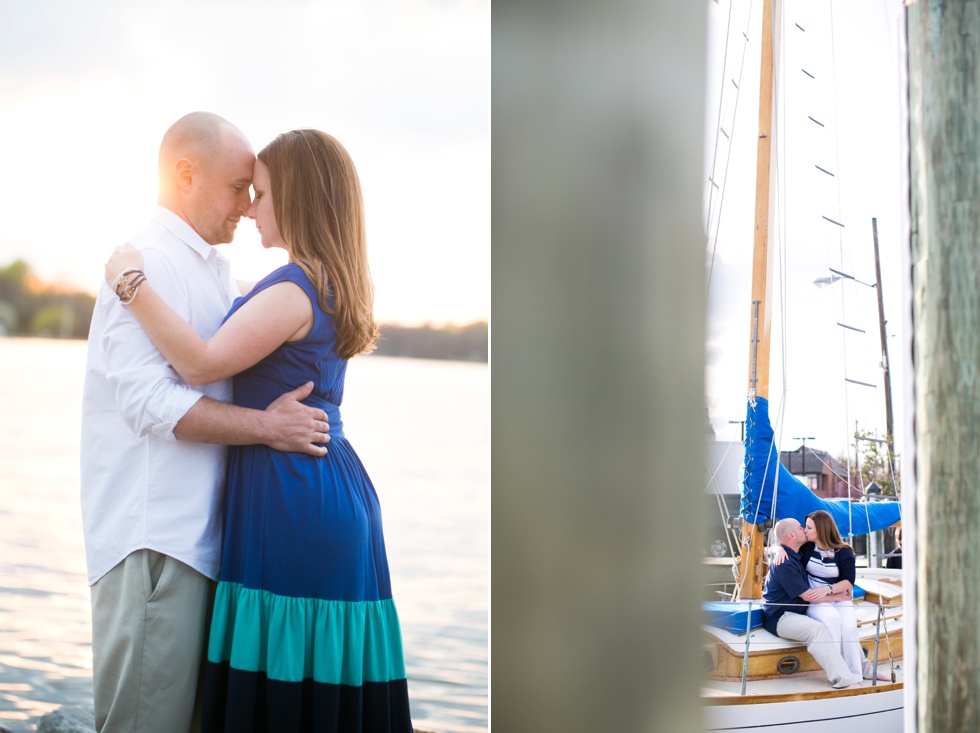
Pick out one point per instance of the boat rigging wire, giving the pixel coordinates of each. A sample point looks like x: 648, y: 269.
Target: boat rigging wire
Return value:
x: 712, y: 184
x: 833, y: 218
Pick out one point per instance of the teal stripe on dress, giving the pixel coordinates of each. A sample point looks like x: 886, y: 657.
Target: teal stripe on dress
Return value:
x: 292, y: 639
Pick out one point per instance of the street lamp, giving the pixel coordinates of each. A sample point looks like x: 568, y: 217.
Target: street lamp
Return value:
x: 822, y: 282
x: 803, y: 469
x: 851, y: 277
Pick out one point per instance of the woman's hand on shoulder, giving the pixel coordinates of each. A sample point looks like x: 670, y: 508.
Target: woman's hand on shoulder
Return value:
x: 778, y: 555
x: 124, y: 257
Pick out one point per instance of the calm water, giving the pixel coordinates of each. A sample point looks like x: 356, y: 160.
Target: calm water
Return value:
x: 421, y: 428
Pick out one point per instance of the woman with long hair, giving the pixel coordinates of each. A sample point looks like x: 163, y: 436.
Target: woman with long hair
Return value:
x: 304, y: 632
x: 831, y: 567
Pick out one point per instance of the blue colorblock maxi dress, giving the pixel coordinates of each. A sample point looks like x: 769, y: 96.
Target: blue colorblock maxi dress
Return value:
x: 304, y: 634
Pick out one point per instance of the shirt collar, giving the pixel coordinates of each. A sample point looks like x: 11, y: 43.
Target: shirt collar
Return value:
x: 183, y: 231
x: 791, y: 552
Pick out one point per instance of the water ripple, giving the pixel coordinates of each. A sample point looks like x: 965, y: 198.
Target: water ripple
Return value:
x: 431, y: 476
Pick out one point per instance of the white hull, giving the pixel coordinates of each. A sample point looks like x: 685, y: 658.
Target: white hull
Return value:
x: 804, y: 701
x: 881, y: 712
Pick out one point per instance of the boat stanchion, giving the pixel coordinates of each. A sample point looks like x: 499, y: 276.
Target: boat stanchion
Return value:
x: 745, y: 659
x: 874, y: 676
x: 888, y: 642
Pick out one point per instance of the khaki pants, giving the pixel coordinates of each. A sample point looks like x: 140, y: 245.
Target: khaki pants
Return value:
x: 819, y: 643
x: 150, y: 617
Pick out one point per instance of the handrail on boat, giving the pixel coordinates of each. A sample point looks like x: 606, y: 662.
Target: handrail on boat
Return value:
x: 874, y: 677
x: 745, y: 659
x: 878, y: 626
x: 888, y: 641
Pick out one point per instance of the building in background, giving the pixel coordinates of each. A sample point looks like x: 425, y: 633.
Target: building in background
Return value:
x: 822, y: 473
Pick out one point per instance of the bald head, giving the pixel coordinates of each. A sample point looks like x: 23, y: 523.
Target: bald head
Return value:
x: 205, y: 171
x: 789, y: 532
x: 198, y: 136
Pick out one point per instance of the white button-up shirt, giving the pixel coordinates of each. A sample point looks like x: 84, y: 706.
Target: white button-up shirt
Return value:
x: 141, y: 488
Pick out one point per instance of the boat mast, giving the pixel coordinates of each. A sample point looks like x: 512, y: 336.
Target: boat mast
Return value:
x: 889, y: 419
x: 752, y: 563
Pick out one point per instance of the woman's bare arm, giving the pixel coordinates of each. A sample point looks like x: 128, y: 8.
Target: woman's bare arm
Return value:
x: 280, y: 313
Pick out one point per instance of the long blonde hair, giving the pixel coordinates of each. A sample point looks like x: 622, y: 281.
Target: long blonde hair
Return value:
x: 827, y: 533
x: 316, y: 197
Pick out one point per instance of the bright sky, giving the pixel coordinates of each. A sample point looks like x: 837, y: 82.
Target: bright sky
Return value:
x: 88, y: 88
x: 855, y: 88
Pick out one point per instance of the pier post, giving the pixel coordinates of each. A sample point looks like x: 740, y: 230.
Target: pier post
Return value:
x: 598, y: 342
x: 944, y: 107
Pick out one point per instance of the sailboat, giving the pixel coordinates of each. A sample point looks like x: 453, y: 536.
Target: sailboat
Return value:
x: 755, y: 680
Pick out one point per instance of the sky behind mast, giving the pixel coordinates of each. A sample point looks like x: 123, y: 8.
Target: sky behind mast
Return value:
x: 839, y: 145
x: 88, y: 89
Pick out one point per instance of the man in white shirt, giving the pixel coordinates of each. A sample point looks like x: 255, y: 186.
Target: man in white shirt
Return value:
x: 153, y: 449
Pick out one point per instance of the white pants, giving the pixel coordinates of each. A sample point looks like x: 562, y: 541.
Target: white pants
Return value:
x: 149, y: 627
x: 819, y: 643
x: 841, y: 624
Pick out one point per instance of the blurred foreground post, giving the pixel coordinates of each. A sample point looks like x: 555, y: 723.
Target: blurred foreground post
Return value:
x: 944, y: 105
x: 597, y: 365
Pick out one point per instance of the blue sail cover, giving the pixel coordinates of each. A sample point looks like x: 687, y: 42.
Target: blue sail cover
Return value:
x: 795, y: 499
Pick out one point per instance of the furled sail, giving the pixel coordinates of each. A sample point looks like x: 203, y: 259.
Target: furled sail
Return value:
x: 762, y: 466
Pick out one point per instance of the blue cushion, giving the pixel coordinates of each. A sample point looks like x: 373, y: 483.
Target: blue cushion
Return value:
x: 732, y: 616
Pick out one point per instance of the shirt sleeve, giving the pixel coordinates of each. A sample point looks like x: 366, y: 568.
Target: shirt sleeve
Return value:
x: 792, y: 577
x: 846, y: 564
x: 151, y: 396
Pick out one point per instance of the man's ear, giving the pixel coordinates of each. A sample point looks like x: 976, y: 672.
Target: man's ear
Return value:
x: 185, y: 172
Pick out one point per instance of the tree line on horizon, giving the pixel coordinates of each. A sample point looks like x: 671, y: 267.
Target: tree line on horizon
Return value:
x: 458, y: 343
x: 30, y: 307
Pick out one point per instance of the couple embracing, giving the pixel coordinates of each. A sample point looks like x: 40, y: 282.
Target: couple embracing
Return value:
x: 301, y: 632
x: 808, y: 597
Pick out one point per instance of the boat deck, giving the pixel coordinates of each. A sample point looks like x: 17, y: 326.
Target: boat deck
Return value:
x: 803, y: 704
x: 879, y: 617
x: 812, y: 685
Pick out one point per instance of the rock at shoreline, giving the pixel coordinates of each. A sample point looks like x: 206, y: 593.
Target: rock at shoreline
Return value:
x: 68, y: 719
